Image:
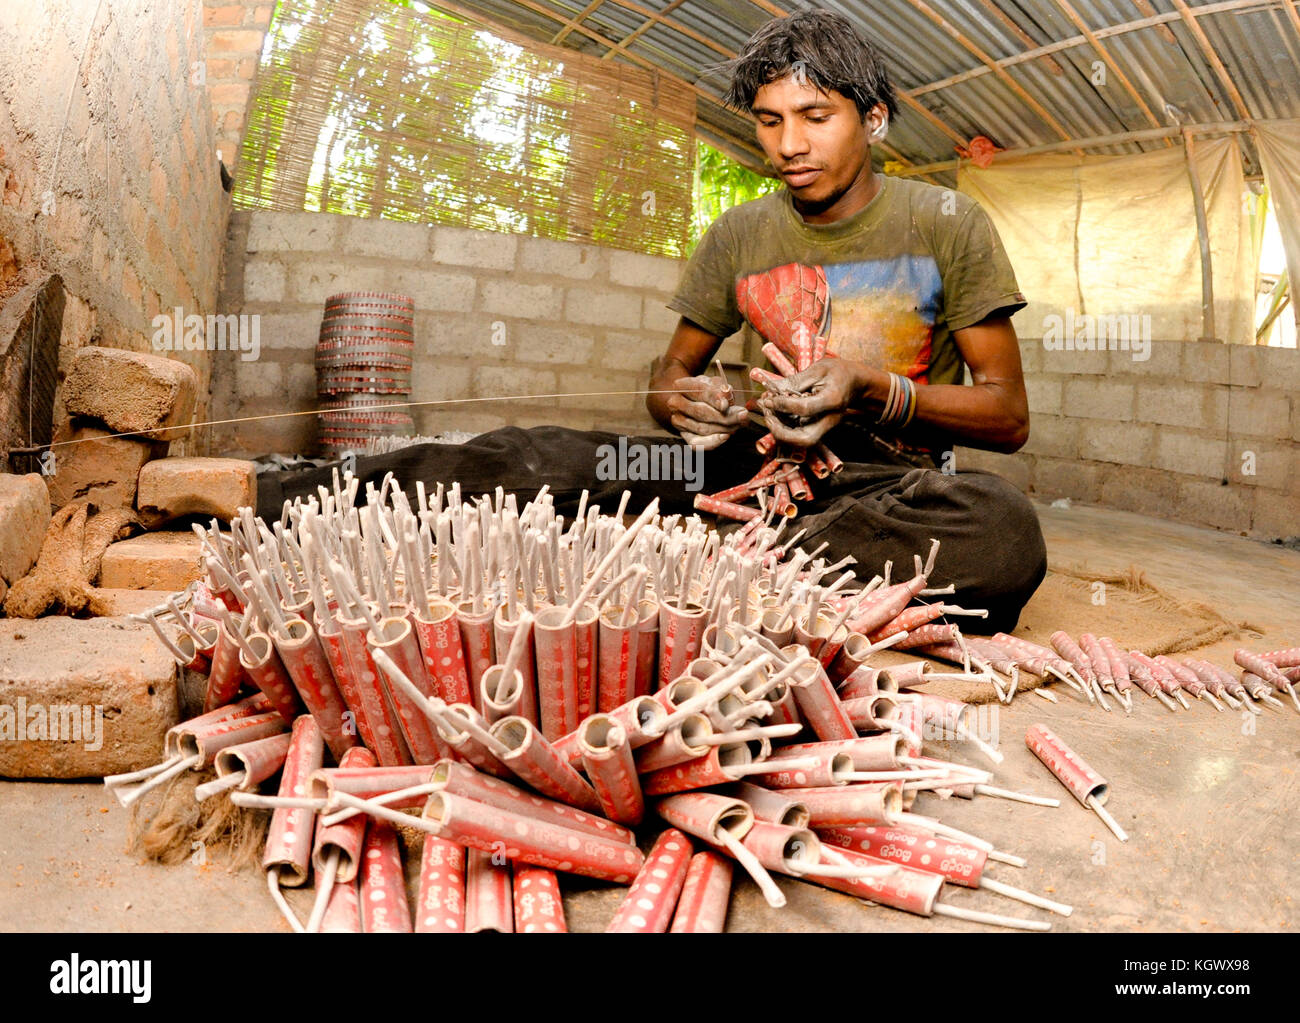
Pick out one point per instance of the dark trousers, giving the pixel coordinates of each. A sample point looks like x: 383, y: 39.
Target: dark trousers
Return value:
x: 991, y: 546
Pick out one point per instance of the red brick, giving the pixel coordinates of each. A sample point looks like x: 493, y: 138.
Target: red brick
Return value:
x: 137, y: 221
x: 157, y: 185
x: 218, y: 68
x: 155, y: 561
x: 229, y: 94
x: 93, y: 667
x: 210, y: 487
x: 24, y: 517
x: 248, y: 68
x: 99, y: 467
x: 223, y: 16
x: 262, y: 15
x: 131, y: 391
x: 154, y: 246
x: 190, y: 141
x: 237, y: 40
x: 131, y: 289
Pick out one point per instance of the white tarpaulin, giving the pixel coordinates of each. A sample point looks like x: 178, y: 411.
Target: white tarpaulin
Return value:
x: 1115, y: 237
x: 1279, y: 155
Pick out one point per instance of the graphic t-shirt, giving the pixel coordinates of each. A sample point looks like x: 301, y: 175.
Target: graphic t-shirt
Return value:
x: 886, y: 286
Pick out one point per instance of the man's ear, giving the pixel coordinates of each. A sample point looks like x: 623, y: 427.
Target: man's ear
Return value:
x: 876, y: 123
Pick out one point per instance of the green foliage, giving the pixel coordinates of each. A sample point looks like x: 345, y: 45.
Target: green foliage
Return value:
x: 399, y: 112
x: 721, y: 183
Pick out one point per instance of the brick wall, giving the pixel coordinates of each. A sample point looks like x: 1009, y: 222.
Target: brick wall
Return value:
x: 233, y: 33
x: 572, y: 318
x: 139, y: 216
x: 1202, y: 433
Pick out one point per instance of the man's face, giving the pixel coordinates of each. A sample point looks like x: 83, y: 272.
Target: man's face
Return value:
x: 817, y: 141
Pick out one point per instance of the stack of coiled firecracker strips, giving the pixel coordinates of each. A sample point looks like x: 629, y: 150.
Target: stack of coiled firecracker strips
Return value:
x: 527, y: 691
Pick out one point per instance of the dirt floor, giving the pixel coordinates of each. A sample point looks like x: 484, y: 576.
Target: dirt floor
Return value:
x: 1210, y: 800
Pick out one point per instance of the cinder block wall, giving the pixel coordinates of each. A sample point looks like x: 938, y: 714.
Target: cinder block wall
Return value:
x: 1172, y: 436
x: 496, y: 315
x: 1202, y: 433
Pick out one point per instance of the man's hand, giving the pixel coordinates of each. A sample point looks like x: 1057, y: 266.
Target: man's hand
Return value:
x: 814, y: 401
x: 703, y: 411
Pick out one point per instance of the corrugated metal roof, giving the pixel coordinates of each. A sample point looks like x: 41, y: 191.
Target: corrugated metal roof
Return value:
x: 1021, y: 72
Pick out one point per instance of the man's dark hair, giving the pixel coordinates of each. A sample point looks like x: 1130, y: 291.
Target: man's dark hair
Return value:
x: 824, y: 48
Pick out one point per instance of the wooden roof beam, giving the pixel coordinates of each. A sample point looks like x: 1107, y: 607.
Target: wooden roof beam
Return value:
x: 1102, y: 52
x: 1225, y: 79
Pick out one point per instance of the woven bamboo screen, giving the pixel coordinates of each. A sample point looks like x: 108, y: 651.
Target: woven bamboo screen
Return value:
x: 370, y: 109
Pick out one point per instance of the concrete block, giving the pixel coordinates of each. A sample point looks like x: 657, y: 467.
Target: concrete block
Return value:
x: 130, y: 391
x: 1124, y: 443
x: 153, y: 561
x: 99, y: 467
x: 632, y: 351
x: 1205, y: 362
x: 1145, y: 491
x: 1163, y: 359
x: 439, y: 380
x: 1054, y: 436
x: 1075, y: 363
x: 1044, y: 395
x: 1280, y: 368
x: 315, y: 280
x: 603, y: 307
x: 82, y: 699
x: 264, y: 280
x: 296, y: 332
x: 1191, y: 454
x: 294, y: 232
x: 565, y: 259
x: 1276, y: 516
x: 1031, y: 355
x: 1269, y: 466
x: 1012, y: 468
x: 1098, y: 399
x: 433, y: 289
x: 1258, y: 413
x: 1243, y: 366
x: 392, y: 239
x: 1054, y: 477
x: 659, y: 318
x: 211, y: 487
x: 1170, y: 404
x: 493, y: 381
x: 638, y: 270
x: 24, y: 518
x: 488, y: 250
x: 262, y: 380
x: 507, y: 297
x: 587, y: 386
x: 531, y: 342
x: 1212, y: 504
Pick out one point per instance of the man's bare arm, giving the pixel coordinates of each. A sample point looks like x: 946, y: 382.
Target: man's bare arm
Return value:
x: 992, y: 413
x: 701, y: 408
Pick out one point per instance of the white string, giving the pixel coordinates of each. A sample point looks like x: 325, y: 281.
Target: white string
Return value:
x: 361, y: 408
